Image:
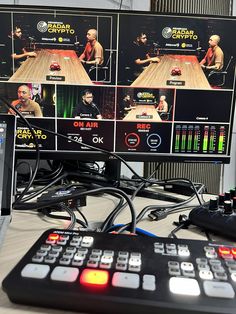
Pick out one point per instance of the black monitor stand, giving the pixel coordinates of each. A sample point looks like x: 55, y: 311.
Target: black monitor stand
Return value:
x: 112, y: 174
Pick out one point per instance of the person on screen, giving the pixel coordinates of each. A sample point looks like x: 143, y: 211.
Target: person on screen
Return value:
x: 214, y: 58
x: 24, y: 104
x: 86, y: 108
x: 93, y: 52
x: 20, y: 53
x: 162, y: 105
x: 125, y: 105
x: 141, y: 55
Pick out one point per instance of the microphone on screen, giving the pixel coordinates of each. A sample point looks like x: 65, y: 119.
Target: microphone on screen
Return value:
x: 94, y: 105
x: 31, y: 38
x: 156, y: 44
x: 18, y: 106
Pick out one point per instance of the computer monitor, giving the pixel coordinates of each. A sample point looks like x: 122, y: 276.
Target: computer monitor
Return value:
x: 175, y: 107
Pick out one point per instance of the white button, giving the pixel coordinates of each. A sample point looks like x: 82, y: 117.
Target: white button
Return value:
x: 211, y: 254
x: 186, y: 266
x: 173, y: 264
x: 201, y: 260
x: 125, y: 280
x: 233, y: 276
x: 79, y: 257
x: 108, y: 252
x: 185, y: 286
x: 106, y: 259
x: 205, y: 274
x: 87, y: 241
x: 203, y: 267
x: 68, y: 274
x: 133, y: 261
x: 218, y: 289
x: 183, y: 252
x: 121, y: 266
x: 149, y: 282
x: 105, y: 265
x: 35, y: 271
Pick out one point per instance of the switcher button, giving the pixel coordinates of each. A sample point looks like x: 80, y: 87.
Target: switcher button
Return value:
x: 68, y: 274
x: 94, y: 277
x: 149, y: 282
x: 35, y: 271
x: 184, y: 286
x: 125, y: 280
x: 218, y: 289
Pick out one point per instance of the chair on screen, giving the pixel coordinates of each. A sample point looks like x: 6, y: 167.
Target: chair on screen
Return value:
x: 218, y: 78
x: 166, y: 115
x: 101, y: 72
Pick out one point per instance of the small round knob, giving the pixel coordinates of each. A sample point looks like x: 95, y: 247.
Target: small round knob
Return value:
x: 213, y: 205
x: 227, y: 207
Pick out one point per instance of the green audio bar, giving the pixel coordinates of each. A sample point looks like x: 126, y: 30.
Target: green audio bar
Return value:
x: 205, y: 139
x: 221, y: 140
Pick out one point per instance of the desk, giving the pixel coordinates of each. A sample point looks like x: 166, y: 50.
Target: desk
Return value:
x: 157, y: 74
x: 26, y: 227
x: 137, y: 114
x: 35, y: 69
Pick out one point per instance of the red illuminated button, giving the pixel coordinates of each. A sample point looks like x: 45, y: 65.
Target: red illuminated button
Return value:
x: 94, y: 277
x: 224, y: 250
x: 53, y: 237
x: 233, y: 251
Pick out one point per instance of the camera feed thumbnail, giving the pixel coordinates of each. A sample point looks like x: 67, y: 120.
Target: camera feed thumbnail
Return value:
x: 182, y: 52
x: 48, y: 48
x: 136, y: 104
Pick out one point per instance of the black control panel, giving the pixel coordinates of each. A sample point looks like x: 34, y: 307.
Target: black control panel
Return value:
x: 219, y: 216
x: 110, y: 273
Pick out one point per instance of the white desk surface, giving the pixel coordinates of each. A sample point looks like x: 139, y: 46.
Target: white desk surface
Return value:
x: 27, y: 226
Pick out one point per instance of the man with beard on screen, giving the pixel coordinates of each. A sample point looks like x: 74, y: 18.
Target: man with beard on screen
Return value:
x: 86, y: 108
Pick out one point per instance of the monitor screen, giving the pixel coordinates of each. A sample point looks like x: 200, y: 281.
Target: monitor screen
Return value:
x: 144, y: 86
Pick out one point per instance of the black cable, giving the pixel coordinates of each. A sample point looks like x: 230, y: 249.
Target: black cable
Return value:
x: 182, y: 225
x: 121, y: 2
x: 51, y: 176
x: 33, y: 195
x: 47, y: 212
x: 108, y: 190
x: 29, y: 166
x: 67, y: 209
x: 111, y: 218
x: 9, y: 105
x: 82, y: 215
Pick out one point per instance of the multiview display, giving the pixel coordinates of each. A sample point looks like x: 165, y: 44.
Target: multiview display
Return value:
x: 144, y: 86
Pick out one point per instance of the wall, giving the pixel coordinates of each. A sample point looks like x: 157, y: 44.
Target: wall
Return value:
x: 229, y: 171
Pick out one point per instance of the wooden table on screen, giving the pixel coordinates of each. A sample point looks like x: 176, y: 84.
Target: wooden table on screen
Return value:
x: 37, y: 69
x: 157, y: 74
x: 144, y: 113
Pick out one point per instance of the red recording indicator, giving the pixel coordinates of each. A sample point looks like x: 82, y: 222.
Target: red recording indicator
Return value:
x: 94, y: 277
x: 132, y: 140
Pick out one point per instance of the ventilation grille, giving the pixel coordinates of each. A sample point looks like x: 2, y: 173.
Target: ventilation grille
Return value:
x: 207, y: 7
x: 208, y: 174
